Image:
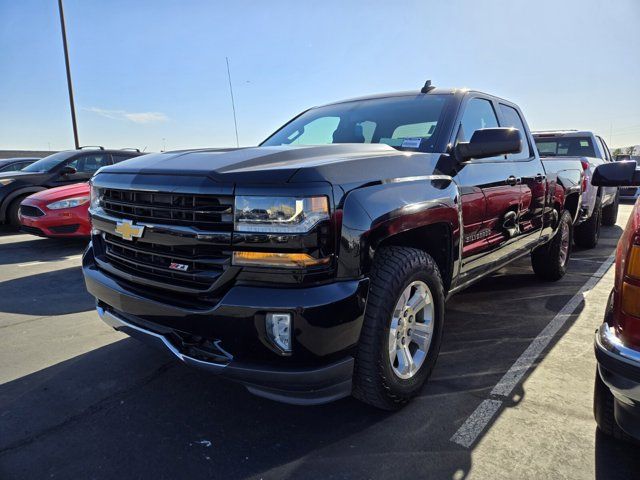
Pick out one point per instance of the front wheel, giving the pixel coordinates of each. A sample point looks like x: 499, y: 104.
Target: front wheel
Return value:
x: 603, y: 411
x: 402, y: 329
x: 550, y: 261
x: 13, y: 211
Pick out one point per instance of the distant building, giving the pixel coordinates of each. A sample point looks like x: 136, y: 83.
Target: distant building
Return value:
x: 24, y: 153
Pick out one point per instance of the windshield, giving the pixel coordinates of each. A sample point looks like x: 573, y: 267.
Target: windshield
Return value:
x: 409, y: 122
x: 48, y: 163
x: 565, y: 147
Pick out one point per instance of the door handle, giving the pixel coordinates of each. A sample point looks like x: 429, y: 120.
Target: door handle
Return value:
x: 513, y: 181
x: 539, y: 178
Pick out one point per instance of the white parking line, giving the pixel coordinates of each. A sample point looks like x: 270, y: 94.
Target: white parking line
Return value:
x: 484, y: 413
x: 38, y: 262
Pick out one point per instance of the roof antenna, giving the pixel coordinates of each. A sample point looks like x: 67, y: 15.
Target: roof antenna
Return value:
x: 427, y: 87
x: 233, y: 104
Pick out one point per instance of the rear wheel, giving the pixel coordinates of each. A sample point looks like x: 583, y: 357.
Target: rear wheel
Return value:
x: 588, y: 233
x: 610, y: 212
x: 550, y: 261
x: 402, y: 329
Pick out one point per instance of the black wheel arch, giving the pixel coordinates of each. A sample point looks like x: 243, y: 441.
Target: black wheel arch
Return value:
x: 8, y: 200
x: 422, y: 214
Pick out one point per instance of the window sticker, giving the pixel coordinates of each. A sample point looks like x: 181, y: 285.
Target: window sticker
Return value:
x: 584, y: 143
x: 411, y: 142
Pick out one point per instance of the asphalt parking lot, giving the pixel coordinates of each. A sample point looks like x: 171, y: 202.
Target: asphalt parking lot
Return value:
x: 79, y: 400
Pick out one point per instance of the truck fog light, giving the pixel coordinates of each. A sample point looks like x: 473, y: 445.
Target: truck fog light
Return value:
x: 279, y: 330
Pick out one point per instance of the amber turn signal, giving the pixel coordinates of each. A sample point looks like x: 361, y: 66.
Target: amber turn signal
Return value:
x: 633, y: 262
x: 631, y: 299
x: 269, y: 259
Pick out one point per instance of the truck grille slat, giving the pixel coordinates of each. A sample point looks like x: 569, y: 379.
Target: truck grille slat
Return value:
x: 177, y: 265
x: 141, y: 259
x: 201, y: 211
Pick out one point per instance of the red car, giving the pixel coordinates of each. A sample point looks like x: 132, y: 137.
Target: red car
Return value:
x: 617, y: 344
x: 57, y: 212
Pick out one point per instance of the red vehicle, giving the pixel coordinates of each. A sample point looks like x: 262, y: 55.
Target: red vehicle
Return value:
x: 57, y: 212
x: 617, y: 343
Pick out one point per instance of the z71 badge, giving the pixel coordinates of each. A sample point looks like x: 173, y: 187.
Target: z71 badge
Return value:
x: 179, y: 266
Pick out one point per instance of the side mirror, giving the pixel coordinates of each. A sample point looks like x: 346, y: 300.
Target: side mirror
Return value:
x: 490, y: 142
x: 616, y: 174
x: 68, y: 170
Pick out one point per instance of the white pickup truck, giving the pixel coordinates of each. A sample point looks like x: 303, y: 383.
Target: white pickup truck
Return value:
x: 599, y: 204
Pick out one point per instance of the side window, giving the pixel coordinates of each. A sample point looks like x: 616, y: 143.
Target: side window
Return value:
x: 14, y: 167
x: 512, y: 119
x: 90, y: 163
x: 605, y: 149
x: 120, y: 158
x: 478, y: 114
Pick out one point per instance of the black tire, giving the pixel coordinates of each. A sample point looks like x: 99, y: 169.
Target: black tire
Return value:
x: 12, y: 211
x: 550, y: 261
x: 587, y: 233
x: 603, y: 411
x: 374, y: 381
x: 610, y: 212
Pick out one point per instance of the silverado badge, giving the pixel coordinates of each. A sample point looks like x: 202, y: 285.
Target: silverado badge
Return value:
x: 128, y: 231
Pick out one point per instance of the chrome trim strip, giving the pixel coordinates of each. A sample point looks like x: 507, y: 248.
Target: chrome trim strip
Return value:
x: 608, y: 342
x: 118, y: 323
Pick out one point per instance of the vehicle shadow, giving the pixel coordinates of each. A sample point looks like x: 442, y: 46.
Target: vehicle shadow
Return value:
x: 138, y: 414
x: 56, y: 292
x: 615, y: 458
x: 40, y: 250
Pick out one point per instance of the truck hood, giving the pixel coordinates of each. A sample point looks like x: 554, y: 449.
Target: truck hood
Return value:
x: 335, y: 163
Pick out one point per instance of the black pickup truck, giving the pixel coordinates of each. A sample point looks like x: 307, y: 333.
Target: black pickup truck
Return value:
x: 317, y: 265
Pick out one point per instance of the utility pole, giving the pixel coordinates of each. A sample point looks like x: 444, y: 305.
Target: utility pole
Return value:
x: 233, y: 105
x: 69, y: 85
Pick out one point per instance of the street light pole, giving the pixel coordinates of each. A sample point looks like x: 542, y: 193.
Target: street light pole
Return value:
x: 69, y: 85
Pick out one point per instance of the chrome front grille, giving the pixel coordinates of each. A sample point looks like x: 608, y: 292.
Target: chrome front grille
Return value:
x: 200, y: 211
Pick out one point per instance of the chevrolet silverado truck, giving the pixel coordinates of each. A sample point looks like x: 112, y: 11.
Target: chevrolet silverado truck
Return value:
x: 317, y: 264
x: 599, y: 204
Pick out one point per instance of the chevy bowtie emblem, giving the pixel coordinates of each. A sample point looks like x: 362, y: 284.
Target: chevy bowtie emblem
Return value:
x: 128, y: 231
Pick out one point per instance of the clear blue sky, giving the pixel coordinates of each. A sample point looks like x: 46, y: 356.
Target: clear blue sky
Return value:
x: 144, y: 70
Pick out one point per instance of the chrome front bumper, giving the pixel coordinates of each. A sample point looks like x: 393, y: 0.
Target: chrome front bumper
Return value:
x: 156, y: 340
x: 619, y: 365
x: 608, y: 342
x: 298, y: 386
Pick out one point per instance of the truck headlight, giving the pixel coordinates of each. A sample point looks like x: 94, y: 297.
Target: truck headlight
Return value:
x: 95, y: 197
x: 279, y: 214
x: 68, y: 203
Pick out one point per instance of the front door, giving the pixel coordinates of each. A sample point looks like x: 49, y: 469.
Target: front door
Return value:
x: 85, y: 166
x: 490, y: 196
